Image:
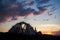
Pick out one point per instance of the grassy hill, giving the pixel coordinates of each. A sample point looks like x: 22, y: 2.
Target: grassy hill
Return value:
x: 27, y: 37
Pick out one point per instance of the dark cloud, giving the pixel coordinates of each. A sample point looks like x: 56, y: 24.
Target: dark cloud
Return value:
x: 42, y: 1
x: 41, y: 10
x: 13, y: 9
x: 57, y: 33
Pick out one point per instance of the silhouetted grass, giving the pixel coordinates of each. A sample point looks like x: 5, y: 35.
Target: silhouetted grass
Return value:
x: 27, y: 37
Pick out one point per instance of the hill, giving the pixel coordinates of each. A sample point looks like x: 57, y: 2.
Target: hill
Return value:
x: 27, y: 37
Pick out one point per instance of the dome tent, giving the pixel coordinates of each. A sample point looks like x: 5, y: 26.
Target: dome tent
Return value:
x: 27, y: 29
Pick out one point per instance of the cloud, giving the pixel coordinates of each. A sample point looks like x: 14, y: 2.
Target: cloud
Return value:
x: 53, y: 9
x: 27, y: 3
x: 42, y: 1
x: 57, y: 33
x: 13, y: 9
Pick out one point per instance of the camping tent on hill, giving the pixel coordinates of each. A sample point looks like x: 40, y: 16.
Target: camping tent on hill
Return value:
x: 23, y: 27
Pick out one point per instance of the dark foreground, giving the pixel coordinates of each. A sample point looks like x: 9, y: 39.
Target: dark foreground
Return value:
x: 27, y: 37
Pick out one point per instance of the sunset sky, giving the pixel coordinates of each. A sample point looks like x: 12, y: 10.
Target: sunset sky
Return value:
x: 42, y: 14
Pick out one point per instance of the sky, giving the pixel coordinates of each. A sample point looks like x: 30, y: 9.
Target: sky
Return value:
x: 42, y: 14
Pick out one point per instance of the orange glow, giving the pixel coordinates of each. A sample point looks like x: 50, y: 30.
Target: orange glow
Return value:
x: 49, y: 33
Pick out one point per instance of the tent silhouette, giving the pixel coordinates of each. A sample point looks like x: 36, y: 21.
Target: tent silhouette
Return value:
x: 27, y: 29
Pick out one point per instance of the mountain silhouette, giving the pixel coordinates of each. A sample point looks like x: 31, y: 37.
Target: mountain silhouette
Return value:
x: 23, y: 28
